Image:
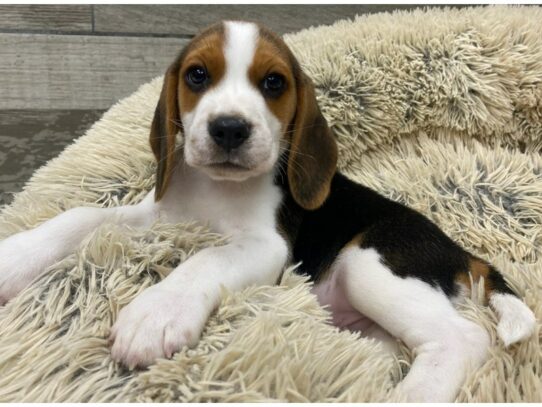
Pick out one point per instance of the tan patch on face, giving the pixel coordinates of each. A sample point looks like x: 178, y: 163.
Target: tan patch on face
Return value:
x: 206, y: 51
x: 271, y: 57
x: 477, y: 269
x: 312, y: 149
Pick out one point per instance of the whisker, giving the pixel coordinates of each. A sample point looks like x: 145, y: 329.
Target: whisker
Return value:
x: 291, y: 162
x: 289, y: 149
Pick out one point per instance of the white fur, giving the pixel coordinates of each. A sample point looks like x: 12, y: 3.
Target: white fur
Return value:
x: 516, y: 320
x: 234, y: 95
x: 165, y: 317
x: 171, y: 314
x: 446, y: 345
x: 25, y: 255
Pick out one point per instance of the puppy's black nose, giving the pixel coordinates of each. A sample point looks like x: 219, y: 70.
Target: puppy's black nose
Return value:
x: 229, y: 132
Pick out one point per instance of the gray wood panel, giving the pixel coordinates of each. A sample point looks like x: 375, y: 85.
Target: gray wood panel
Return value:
x: 84, y: 73
x: 30, y: 138
x: 189, y: 19
x: 78, y: 71
x: 64, y: 18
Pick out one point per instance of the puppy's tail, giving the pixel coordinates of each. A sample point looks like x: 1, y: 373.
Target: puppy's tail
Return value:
x: 516, y: 321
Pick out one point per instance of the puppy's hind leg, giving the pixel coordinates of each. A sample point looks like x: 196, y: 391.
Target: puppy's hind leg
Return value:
x: 445, y: 344
x: 25, y: 255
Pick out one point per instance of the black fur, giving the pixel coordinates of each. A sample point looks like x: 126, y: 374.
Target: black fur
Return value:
x: 497, y: 282
x: 409, y: 243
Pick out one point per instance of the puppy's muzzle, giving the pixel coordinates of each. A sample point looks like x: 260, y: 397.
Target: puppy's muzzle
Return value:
x: 229, y: 132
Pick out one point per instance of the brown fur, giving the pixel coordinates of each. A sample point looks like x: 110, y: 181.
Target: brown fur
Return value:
x: 164, y: 128
x: 356, y: 241
x: 208, y: 52
x: 478, y: 270
x: 205, y: 49
x: 312, y: 160
x: 312, y: 149
x: 269, y: 58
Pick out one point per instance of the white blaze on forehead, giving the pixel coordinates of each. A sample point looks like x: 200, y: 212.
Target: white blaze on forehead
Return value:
x: 239, y: 48
x: 234, y: 95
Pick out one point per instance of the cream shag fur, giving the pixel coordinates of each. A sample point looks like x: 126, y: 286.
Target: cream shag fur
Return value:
x: 438, y: 109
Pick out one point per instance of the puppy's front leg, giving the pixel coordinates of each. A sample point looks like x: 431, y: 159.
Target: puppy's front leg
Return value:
x: 25, y: 255
x: 165, y: 317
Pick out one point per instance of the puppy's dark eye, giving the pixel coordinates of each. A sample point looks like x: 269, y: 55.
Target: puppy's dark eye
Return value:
x: 197, y: 78
x: 273, y: 85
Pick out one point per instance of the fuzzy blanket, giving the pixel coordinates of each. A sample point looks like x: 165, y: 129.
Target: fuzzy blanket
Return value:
x: 438, y: 109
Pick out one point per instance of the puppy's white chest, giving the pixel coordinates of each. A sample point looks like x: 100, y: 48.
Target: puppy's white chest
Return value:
x: 226, y: 206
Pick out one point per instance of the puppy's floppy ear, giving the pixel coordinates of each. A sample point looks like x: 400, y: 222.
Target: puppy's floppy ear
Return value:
x: 313, y: 152
x: 164, y: 128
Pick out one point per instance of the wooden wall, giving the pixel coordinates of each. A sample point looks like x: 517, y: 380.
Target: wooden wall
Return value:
x: 62, y: 66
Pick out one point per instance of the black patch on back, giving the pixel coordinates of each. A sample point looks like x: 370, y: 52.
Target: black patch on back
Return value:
x: 409, y: 243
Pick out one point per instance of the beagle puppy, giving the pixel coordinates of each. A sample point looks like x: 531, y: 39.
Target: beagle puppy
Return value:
x: 257, y: 161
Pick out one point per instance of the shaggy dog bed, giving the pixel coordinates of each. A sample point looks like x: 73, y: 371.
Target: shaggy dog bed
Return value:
x: 438, y: 109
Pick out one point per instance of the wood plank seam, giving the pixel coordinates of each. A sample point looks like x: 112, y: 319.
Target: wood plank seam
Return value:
x: 95, y: 34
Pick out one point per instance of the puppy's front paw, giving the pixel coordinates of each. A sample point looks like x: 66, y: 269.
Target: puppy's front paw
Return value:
x: 156, y: 324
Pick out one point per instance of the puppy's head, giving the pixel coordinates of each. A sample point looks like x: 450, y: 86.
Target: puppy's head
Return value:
x: 241, y: 100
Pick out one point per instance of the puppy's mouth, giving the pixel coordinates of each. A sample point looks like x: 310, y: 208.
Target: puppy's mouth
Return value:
x: 228, y: 171
x: 228, y: 166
